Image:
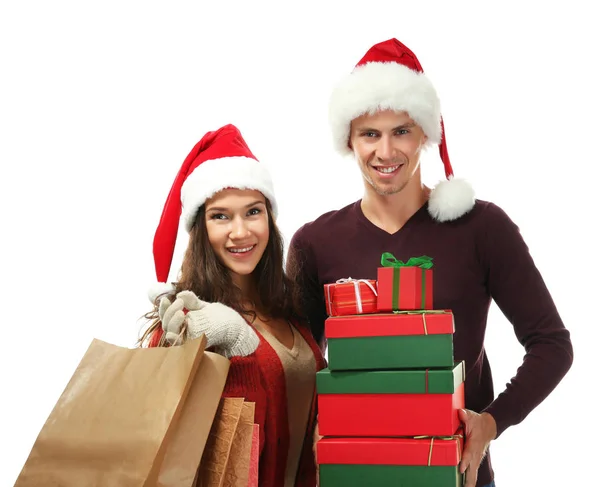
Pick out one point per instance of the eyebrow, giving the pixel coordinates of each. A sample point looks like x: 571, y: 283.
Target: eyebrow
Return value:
x: 406, y: 125
x: 219, y: 208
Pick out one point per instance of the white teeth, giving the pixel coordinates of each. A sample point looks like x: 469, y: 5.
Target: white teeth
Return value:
x: 236, y: 251
x: 387, y: 170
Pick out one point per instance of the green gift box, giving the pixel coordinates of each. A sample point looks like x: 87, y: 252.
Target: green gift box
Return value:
x: 388, y: 475
x: 408, y: 381
x: 382, y: 403
x: 401, y: 340
x: 421, y: 461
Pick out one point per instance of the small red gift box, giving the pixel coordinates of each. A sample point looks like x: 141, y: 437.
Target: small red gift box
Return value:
x: 351, y: 297
x: 404, y: 286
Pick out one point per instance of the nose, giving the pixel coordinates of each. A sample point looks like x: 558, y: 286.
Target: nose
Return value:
x: 239, y: 229
x: 385, y: 149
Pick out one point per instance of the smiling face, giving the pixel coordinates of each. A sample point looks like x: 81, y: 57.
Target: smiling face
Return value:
x: 237, y: 225
x: 387, y: 146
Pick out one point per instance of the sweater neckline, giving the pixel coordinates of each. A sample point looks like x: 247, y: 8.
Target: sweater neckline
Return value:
x: 418, y: 216
x: 276, y: 344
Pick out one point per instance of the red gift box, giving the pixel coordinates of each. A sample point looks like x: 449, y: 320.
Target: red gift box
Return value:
x: 351, y: 297
x: 390, y: 414
x: 431, y: 322
x: 404, y: 286
x: 363, y: 408
x: 417, y: 451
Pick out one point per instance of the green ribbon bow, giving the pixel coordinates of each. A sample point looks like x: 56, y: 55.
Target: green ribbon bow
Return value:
x: 424, y: 262
x: 388, y: 260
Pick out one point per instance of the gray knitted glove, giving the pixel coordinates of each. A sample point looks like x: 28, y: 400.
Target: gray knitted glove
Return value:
x: 224, y: 328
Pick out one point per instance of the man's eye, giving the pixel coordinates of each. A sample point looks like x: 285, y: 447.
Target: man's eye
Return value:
x: 369, y: 134
x: 402, y: 131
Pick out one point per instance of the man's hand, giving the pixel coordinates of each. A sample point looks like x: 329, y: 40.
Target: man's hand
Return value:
x: 480, y: 430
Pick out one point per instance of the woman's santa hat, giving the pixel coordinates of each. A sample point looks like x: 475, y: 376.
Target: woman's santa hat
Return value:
x: 390, y: 77
x: 220, y: 160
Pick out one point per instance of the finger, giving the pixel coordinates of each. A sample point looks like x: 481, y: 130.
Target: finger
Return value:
x: 174, y: 324
x: 173, y: 338
x: 162, y: 307
x: 464, y: 415
x: 190, y: 300
x: 465, y: 461
x: 471, y: 480
x: 170, y: 312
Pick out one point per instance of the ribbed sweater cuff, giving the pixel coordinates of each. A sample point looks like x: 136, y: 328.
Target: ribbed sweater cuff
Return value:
x: 503, y: 421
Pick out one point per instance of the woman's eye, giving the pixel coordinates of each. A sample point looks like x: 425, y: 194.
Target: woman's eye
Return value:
x: 254, y: 211
x: 217, y: 216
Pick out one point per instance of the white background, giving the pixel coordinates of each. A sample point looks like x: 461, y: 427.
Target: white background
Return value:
x: 100, y: 102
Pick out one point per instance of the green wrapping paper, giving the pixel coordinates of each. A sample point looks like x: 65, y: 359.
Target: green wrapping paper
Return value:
x: 389, y: 475
x: 419, y: 381
x: 391, y: 352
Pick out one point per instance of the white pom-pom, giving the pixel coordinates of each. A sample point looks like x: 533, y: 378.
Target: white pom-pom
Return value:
x: 451, y: 199
x: 159, y: 288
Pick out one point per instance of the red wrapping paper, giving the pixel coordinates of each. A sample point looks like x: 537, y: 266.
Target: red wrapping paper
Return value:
x: 351, y: 297
x: 413, y: 290
x: 390, y: 324
x: 390, y: 414
x: 414, y: 451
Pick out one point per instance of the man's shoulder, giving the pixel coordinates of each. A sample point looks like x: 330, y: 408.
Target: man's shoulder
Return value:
x: 486, y: 220
x: 326, y: 222
x: 484, y: 210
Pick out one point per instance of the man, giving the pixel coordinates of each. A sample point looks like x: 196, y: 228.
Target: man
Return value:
x: 384, y: 113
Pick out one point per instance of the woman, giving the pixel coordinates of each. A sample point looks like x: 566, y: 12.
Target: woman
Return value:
x: 232, y: 287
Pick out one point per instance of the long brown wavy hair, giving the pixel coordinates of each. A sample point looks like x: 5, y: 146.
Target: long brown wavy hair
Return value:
x: 204, y: 274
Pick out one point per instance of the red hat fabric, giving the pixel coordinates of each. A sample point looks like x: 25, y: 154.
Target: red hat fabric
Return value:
x: 221, y: 159
x: 390, y: 77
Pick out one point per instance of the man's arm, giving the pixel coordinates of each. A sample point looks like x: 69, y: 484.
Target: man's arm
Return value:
x: 517, y: 287
x: 301, y: 267
x: 519, y: 290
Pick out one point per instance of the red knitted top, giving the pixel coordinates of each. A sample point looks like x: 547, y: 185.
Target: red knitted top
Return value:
x: 260, y: 378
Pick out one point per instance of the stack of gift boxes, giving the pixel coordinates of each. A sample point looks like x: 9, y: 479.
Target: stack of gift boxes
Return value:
x: 389, y: 399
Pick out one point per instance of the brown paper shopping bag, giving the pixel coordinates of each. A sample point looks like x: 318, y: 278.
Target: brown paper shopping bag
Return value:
x: 238, y: 464
x: 254, y: 456
x: 186, y: 444
x: 224, y: 434
x: 112, y: 423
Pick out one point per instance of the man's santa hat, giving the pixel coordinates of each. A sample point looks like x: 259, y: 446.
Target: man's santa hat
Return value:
x: 220, y: 160
x: 390, y: 77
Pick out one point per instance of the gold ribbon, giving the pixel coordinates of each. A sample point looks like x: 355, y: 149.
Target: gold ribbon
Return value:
x: 443, y: 438
x: 422, y: 312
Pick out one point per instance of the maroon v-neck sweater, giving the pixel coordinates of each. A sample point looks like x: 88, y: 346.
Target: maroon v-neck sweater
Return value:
x: 477, y: 258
